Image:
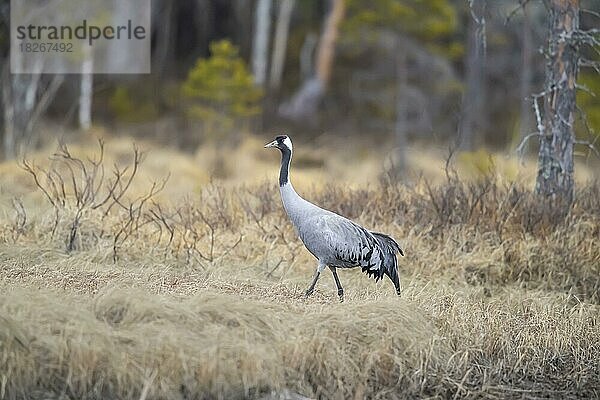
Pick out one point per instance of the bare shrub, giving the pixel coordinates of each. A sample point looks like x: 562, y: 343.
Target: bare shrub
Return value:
x: 193, y: 225
x: 268, y: 223
x: 81, y: 190
x: 17, y: 227
x: 134, y: 216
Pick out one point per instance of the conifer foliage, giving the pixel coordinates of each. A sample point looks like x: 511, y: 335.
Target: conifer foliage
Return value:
x: 220, y: 90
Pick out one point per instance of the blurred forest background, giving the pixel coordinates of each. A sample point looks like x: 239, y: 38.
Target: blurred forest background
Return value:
x: 171, y: 271
x: 453, y: 72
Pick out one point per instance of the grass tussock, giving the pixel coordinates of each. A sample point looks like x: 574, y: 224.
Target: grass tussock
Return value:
x: 117, y: 290
x: 212, y: 345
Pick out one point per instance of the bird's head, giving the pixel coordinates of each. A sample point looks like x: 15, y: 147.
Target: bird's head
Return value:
x: 282, y: 142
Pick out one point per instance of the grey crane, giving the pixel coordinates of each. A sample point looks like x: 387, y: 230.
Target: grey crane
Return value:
x: 334, y: 240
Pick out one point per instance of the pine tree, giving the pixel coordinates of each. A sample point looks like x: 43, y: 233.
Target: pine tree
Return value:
x: 557, y: 136
x: 221, y: 90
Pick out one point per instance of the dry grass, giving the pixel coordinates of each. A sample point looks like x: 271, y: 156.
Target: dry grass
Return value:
x: 205, y: 297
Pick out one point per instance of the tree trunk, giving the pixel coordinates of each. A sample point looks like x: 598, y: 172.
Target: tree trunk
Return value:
x: 307, y: 53
x: 86, y: 90
x: 472, y: 108
x: 163, y: 15
x: 555, y: 160
x: 8, y: 138
x: 525, y: 126
x: 328, y: 40
x: 260, y: 49
x: 25, y: 97
x: 305, y: 101
x: 280, y: 45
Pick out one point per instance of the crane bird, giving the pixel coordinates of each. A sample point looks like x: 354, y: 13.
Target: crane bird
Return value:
x: 335, y: 241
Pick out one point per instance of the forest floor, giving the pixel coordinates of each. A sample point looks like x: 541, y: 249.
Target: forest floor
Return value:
x: 117, y: 290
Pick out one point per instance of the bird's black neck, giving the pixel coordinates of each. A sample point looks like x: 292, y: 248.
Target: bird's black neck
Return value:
x: 286, y: 157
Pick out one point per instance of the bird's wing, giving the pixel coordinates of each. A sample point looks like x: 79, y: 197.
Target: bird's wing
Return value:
x: 351, y: 244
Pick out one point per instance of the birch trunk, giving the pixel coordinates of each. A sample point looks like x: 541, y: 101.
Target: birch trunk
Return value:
x: 25, y: 97
x: 472, y: 107
x: 260, y: 49
x: 280, y: 45
x: 8, y: 138
x: 86, y: 90
x: 555, y: 159
x: 525, y: 125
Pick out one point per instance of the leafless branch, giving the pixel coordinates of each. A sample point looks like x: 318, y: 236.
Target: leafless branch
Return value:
x: 30, y: 168
x: 160, y: 215
x: 585, y: 63
x: 134, y: 211
x: 524, y: 141
x: 538, y: 115
x: 255, y: 217
x: 590, y: 12
x: 590, y: 145
x: 231, y: 248
x: 20, y: 219
x: 514, y: 11
x: 270, y: 273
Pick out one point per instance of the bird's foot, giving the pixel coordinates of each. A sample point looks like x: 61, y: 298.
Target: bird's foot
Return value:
x: 308, y: 293
x: 341, y: 295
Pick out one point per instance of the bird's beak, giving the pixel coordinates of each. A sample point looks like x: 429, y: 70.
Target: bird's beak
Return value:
x: 272, y: 144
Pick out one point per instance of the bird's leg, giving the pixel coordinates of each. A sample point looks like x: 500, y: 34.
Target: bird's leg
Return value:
x: 311, y: 288
x: 337, y: 283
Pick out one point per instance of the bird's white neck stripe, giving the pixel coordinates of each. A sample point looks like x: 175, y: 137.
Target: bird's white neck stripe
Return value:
x: 288, y: 143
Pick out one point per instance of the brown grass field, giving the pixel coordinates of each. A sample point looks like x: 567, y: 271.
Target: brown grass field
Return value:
x: 110, y: 290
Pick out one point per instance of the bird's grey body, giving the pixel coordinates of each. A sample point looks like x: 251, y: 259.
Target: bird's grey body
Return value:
x: 334, y: 240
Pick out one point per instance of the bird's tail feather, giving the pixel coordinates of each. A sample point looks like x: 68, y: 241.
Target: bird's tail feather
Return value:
x: 387, y: 242
x: 390, y: 263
